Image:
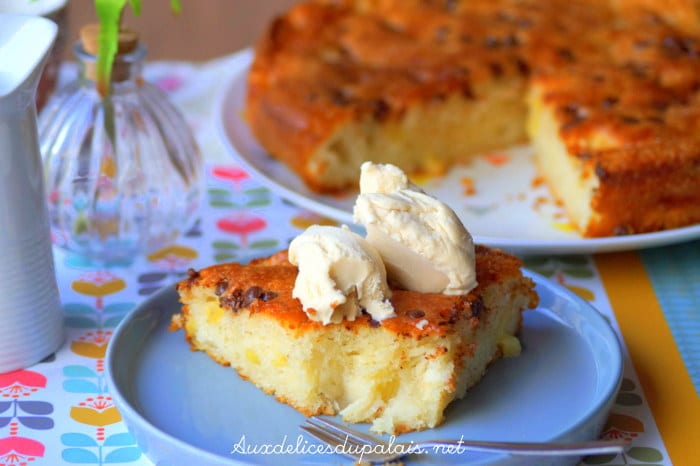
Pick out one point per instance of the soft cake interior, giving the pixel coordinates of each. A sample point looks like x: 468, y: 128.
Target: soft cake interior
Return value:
x: 565, y: 175
x: 429, y: 137
x: 399, y: 374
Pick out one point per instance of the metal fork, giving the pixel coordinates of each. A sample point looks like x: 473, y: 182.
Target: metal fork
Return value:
x: 362, y: 447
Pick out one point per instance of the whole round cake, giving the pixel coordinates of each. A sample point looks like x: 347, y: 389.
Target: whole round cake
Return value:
x: 606, y: 91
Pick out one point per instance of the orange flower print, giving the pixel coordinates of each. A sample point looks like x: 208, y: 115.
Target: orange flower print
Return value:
x: 98, y: 283
x: 92, y: 345
x: 96, y: 411
x: 305, y: 219
x: 620, y: 426
x: 173, y: 257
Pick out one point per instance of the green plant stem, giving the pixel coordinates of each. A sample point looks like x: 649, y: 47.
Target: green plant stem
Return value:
x: 109, y: 13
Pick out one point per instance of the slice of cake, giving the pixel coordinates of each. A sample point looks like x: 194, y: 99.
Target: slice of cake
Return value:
x: 399, y: 373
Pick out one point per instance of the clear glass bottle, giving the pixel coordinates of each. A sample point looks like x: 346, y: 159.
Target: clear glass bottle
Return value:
x: 123, y: 173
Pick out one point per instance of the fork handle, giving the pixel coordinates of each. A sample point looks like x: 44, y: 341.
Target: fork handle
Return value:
x: 595, y: 447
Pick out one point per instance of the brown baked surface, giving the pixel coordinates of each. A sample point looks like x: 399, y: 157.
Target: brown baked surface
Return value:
x: 273, y: 279
x: 622, y: 75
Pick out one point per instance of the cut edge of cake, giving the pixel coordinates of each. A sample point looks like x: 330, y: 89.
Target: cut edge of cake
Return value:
x: 568, y: 178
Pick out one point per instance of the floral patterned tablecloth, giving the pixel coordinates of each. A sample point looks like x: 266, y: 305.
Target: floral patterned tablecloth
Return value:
x: 60, y: 411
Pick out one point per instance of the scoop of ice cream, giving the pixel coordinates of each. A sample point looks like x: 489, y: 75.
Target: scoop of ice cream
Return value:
x: 383, y: 178
x: 424, y: 245
x: 340, y: 274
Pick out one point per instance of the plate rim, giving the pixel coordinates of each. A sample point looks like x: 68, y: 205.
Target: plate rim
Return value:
x: 241, y: 63
x: 602, y: 324
x: 129, y: 413
x: 133, y: 416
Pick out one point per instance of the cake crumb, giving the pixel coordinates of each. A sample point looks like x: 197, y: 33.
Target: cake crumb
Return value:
x: 176, y: 322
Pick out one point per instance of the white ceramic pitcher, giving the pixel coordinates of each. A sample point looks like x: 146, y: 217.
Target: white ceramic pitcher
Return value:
x: 31, y: 321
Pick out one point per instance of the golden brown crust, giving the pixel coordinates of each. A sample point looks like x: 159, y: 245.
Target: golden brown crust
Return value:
x: 265, y: 286
x: 626, y: 90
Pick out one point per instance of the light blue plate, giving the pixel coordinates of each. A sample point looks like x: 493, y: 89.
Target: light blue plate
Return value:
x: 183, y: 408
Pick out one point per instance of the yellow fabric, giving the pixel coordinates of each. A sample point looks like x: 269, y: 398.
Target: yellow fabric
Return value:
x: 666, y: 382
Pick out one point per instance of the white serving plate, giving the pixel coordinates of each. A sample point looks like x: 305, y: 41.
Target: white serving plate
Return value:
x: 509, y: 209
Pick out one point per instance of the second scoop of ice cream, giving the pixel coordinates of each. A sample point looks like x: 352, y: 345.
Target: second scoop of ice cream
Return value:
x: 422, y: 242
